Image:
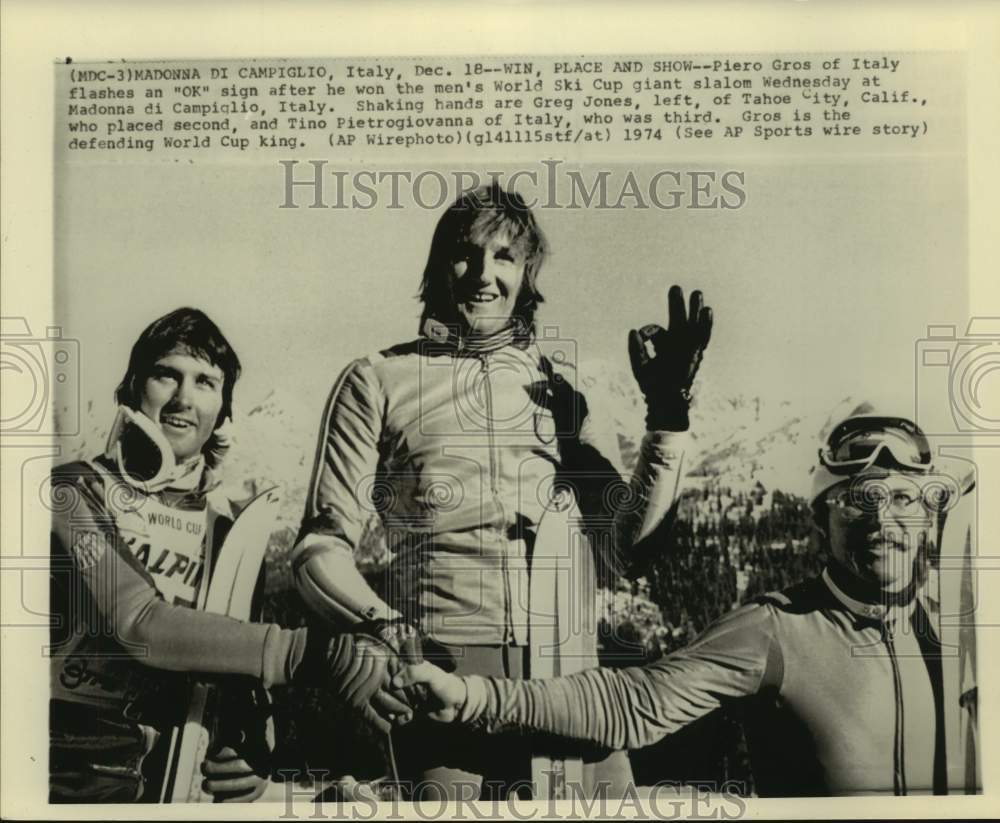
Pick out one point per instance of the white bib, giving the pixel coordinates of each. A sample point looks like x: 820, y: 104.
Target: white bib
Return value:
x: 170, y: 544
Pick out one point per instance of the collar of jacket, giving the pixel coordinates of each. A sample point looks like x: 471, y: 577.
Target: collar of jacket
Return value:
x: 450, y: 338
x: 881, y: 613
x: 191, y: 476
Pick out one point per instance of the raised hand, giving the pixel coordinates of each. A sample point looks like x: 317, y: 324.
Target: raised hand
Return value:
x: 665, y: 361
x: 445, y: 693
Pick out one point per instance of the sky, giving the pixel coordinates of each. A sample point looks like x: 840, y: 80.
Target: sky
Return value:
x: 821, y: 284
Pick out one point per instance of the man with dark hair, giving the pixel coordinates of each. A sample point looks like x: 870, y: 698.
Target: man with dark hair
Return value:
x: 842, y: 678
x: 135, y: 533
x: 456, y: 441
x: 186, y: 332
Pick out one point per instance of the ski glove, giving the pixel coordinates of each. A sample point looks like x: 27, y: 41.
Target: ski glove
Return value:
x: 665, y: 361
x: 406, y: 641
x: 353, y: 666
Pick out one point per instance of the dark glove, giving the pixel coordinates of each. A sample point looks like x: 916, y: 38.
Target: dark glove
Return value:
x: 406, y: 641
x: 665, y: 361
x: 354, y: 667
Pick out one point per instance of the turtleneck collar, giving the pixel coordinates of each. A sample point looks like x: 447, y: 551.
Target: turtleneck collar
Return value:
x: 145, y: 459
x: 884, y: 612
x: 452, y: 337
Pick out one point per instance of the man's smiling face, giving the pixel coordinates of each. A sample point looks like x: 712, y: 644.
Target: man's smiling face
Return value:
x: 183, y: 396
x: 879, y: 528
x: 486, y: 278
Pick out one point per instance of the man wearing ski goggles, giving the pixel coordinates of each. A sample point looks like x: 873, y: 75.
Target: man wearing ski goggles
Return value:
x: 876, y: 497
x: 842, y: 677
x: 862, y: 441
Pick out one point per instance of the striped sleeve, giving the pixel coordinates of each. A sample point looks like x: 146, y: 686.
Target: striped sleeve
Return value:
x: 630, y: 708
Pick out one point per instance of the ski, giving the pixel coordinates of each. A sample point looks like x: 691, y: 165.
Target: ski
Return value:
x: 557, y: 637
x: 230, y: 592
x: 957, y: 626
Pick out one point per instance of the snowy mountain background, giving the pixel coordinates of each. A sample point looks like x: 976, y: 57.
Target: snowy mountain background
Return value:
x: 744, y: 441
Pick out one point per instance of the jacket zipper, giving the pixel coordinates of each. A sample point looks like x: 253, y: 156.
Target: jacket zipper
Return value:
x: 898, y: 762
x: 494, y: 489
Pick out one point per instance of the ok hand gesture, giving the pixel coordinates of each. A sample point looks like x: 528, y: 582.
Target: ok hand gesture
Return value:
x: 665, y: 361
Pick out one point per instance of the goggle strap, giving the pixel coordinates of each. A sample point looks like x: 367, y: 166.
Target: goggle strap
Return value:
x: 844, y: 430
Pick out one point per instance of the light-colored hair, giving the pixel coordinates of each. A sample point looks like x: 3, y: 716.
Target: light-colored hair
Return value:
x: 477, y: 216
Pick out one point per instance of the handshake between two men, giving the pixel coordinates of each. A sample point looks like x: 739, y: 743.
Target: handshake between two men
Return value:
x: 383, y: 676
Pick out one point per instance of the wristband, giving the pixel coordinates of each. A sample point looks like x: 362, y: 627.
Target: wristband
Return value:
x: 669, y: 411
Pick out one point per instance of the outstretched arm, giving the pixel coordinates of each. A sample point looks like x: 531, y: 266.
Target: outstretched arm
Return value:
x: 96, y: 578
x: 99, y: 587
x: 625, y: 709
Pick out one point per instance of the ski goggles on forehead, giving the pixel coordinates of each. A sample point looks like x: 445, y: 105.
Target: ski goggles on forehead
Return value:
x: 857, y: 444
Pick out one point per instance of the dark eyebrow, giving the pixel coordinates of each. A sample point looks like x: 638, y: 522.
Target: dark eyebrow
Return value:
x: 160, y: 370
